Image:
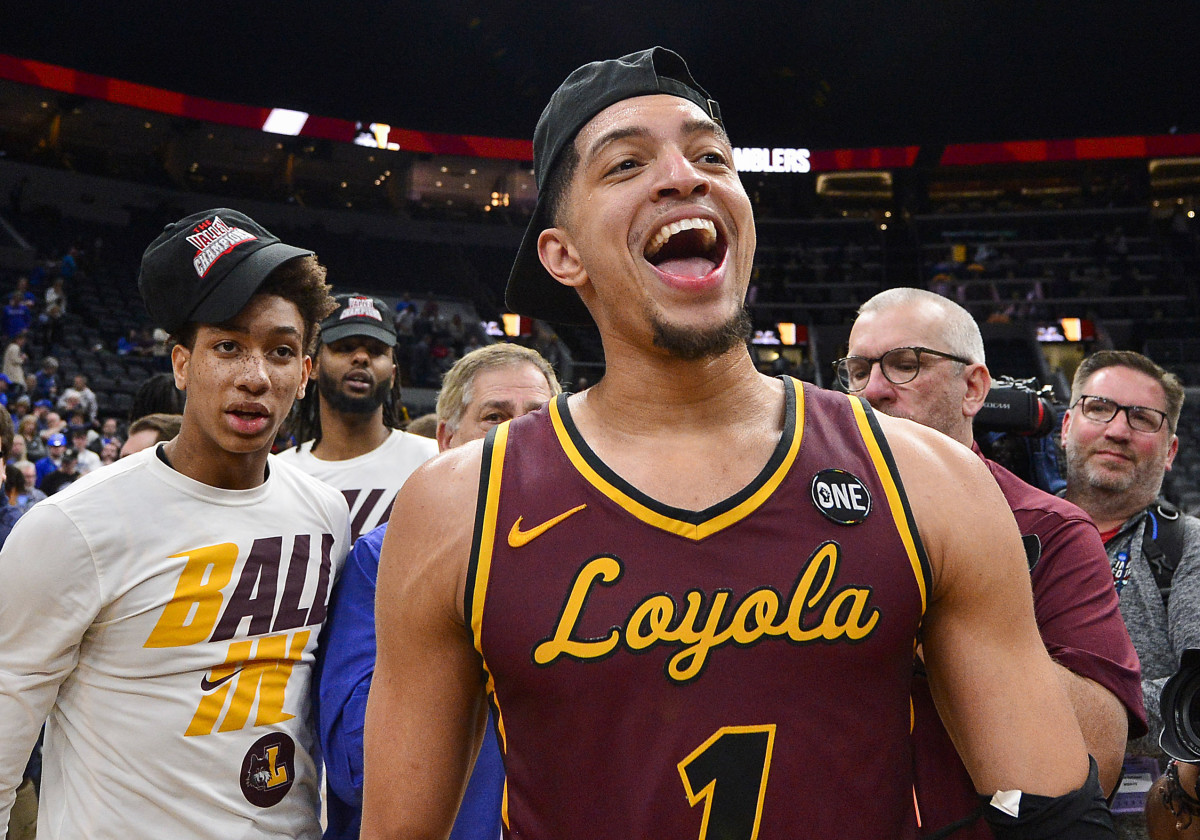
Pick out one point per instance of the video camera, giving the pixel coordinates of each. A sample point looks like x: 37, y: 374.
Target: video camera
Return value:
x: 1180, y: 708
x: 1018, y: 406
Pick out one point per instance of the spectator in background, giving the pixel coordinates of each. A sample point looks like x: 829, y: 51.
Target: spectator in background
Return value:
x: 110, y: 451
x: 28, y: 298
x: 52, y: 424
x: 406, y: 315
x: 8, y: 513
x: 68, y: 265
x: 17, y: 316
x: 68, y: 406
x: 35, y: 447
x: 46, y: 380
x: 149, y: 430
x: 20, y: 407
x: 4, y: 383
x: 14, y: 486
x: 347, y: 427
x: 421, y: 365
x: 110, y: 429
x: 87, y: 459
x: 67, y: 473
x: 15, y: 358
x: 425, y: 425
x: 161, y: 348
x: 41, y: 409
x: 129, y: 344
x: 493, y: 384
x: 18, y: 451
x: 50, y: 324
x: 32, y: 495
x: 56, y: 445
x: 157, y: 395
x: 56, y: 295
x: 85, y: 396
x: 1119, y: 435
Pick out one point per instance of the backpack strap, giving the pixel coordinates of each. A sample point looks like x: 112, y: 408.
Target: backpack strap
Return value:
x: 1162, y: 544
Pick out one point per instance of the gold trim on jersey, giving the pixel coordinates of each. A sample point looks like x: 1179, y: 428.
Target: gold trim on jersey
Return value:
x: 691, y: 530
x: 494, y: 464
x: 900, y: 514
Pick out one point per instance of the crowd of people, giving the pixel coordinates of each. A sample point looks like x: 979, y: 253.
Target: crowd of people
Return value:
x: 690, y: 600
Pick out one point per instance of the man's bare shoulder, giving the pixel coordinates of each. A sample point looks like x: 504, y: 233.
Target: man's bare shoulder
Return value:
x: 441, y: 492
x: 919, y: 450
x: 428, y: 541
x: 448, y: 469
x: 955, y: 501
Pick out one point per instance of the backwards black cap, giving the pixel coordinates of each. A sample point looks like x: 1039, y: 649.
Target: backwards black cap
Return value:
x: 206, y: 267
x: 586, y: 92
x: 359, y: 315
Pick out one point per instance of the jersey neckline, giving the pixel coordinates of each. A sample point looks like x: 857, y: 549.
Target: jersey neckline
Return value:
x: 695, y: 525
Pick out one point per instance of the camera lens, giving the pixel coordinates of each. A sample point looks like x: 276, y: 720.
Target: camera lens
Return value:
x: 1190, y: 711
x: 1180, y: 707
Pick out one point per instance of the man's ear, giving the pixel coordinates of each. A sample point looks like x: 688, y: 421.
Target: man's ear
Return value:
x: 180, y: 356
x: 979, y: 382
x: 559, y: 257
x: 444, y: 435
x: 307, y: 365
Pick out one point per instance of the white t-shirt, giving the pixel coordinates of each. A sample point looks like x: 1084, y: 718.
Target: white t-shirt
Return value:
x: 369, y: 482
x: 88, y: 461
x: 167, y: 628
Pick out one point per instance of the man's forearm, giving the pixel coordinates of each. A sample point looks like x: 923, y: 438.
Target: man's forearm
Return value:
x: 1103, y: 721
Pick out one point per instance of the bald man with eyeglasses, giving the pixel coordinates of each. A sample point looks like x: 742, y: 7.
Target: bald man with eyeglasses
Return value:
x: 1120, y: 441
x: 916, y: 355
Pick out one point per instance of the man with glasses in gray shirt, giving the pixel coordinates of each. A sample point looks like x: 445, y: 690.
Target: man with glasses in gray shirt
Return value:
x: 1120, y: 441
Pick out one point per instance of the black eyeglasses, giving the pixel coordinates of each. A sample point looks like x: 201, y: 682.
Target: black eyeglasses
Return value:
x: 899, y: 366
x: 1103, y: 410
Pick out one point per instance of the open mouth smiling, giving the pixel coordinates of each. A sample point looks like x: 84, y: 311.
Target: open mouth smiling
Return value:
x: 686, y: 248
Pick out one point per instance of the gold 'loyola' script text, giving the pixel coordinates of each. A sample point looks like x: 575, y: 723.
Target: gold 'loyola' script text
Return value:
x: 813, y: 613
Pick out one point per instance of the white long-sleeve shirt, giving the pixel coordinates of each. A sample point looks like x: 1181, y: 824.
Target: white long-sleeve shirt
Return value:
x: 167, y: 630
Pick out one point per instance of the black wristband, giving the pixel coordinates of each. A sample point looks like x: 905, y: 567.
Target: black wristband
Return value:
x: 1079, y: 815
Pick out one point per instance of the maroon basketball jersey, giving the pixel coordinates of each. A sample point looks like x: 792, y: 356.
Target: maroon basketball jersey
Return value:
x: 737, y: 672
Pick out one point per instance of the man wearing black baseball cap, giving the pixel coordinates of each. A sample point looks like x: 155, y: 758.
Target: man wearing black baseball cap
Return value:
x: 169, y: 623
x: 347, y: 427
x: 692, y: 592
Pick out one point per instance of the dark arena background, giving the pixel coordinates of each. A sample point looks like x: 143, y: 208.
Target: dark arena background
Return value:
x: 1039, y: 164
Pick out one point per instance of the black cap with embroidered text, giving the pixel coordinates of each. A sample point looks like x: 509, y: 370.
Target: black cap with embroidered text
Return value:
x: 585, y: 93
x: 205, y: 267
x: 359, y: 315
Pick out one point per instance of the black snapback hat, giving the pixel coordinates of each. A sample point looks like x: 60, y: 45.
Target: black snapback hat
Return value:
x: 359, y: 315
x: 586, y: 92
x: 206, y: 267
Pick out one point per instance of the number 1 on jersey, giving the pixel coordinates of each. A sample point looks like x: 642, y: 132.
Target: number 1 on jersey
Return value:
x: 729, y: 772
